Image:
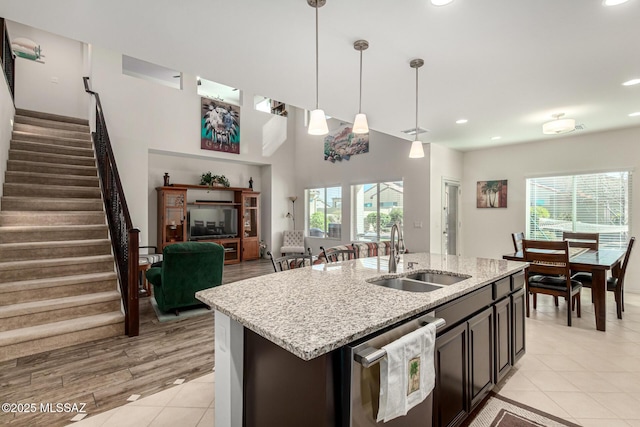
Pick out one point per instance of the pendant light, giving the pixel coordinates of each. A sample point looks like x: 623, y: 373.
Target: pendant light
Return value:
x: 360, y: 124
x: 417, y: 151
x: 317, y: 119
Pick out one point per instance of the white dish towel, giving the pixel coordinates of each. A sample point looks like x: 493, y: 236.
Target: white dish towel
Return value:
x: 407, y: 373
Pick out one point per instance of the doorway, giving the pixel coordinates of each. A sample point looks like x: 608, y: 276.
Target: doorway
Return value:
x: 450, y: 222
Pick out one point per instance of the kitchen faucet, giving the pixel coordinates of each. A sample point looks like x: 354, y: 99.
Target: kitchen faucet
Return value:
x: 396, y: 248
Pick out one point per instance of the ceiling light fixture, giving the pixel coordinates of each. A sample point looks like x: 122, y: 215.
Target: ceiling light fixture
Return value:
x: 360, y: 124
x: 461, y: 121
x: 417, y: 151
x: 631, y: 82
x: 317, y: 120
x: 636, y: 114
x: 440, y: 2
x: 495, y: 138
x: 613, y: 2
x: 559, y: 125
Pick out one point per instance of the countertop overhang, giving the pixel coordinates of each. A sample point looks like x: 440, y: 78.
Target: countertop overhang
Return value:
x: 313, y: 310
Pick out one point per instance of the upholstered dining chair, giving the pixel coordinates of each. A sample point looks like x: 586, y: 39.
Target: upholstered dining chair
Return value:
x: 289, y: 262
x: 548, y: 273
x: 337, y: 254
x: 615, y: 283
x: 292, y: 242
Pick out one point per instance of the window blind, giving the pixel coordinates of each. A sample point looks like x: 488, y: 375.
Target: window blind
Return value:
x: 591, y: 203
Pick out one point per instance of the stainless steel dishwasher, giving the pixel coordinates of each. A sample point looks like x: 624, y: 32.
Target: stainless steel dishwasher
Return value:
x: 363, y: 387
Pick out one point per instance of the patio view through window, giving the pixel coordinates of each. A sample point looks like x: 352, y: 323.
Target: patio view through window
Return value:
x: 324, y: 212
x: 590, y: 203
x: 376, y: 207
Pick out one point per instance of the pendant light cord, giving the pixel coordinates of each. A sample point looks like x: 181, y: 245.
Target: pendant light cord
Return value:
x: 416, y: 104
x: 317, y: 100
x: 360, y: 99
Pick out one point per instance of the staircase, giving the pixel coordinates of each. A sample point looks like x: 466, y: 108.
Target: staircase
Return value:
x: 58, y: 286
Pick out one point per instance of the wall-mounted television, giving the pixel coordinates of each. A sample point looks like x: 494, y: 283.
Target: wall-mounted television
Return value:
x: 212, y: 222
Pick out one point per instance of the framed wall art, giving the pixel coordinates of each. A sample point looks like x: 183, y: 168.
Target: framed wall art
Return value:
x: 492, y: 194
x: 219, y: 126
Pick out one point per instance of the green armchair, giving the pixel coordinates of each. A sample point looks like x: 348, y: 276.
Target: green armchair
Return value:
x: 186, y: 268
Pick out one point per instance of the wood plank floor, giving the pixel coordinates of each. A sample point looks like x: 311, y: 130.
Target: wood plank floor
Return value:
x: 103, y: 374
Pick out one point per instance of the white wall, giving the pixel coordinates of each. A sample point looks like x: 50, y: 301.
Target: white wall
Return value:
x: 144, y: 117
x: 488, y: 231
x: 63, y: 62
x: 387, y: 160
x: 445, y: 164
x: 7, y: 113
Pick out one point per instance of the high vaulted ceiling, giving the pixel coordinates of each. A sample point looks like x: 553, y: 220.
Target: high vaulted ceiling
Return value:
x: 504, y: 65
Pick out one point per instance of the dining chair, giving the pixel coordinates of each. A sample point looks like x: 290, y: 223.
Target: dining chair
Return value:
x: 337, y: 254
x: 548, y: 273
x: 582, y: 240
x: 289, y: 262
x: 615, y: 283
x: 517, y: 241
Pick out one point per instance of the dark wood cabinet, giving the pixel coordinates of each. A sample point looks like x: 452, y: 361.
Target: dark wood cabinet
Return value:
x: 249, y: 224
x: 517, y: 307
x: 481, y: 350
x: 450, y: 401
x: 483, y: 339
x: 172, y: 214
x: 504, y: 337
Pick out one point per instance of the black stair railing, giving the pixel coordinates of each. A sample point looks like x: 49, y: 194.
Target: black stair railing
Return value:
x: 124, y: 237
x: 7, y: 59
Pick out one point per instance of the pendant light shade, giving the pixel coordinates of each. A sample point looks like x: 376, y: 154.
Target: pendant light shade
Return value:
x: 318, y: 123
x: 417, y: 151
x: 360, y: 124
x: 317, y: 120
x: 559, y: 125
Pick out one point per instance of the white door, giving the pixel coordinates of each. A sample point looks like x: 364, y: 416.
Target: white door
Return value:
x: 450, y: 223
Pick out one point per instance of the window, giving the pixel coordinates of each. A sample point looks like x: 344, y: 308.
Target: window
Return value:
x: 595, y: 203
x: 376, y: 207
x: 324, y: 214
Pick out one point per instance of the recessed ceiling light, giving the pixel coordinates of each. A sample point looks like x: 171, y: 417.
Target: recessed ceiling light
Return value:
x: 442, y: 2
x: 631, y: 82
x: 461, y: 121
x: 613, y: 2
x: 636, y: 114
x: 495, y: 138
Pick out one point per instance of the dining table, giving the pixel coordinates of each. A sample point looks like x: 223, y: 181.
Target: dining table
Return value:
x: 596, y: 262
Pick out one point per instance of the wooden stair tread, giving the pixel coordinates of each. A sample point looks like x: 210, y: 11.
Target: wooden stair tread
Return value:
x: 31, y: 333
x: 57, y: 303
x: 50, y: 116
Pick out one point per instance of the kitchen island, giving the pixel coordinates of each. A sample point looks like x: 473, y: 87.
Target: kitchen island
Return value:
x: 280, y: 338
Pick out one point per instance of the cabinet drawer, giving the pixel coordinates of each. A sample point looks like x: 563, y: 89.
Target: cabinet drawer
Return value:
x: 517, y: 281
x: 502, y: 288
x: 461, y: 308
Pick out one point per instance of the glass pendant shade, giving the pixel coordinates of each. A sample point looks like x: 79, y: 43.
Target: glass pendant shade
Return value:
x: 360, y: 124
x: 417, y: 151
x: 318, y: 123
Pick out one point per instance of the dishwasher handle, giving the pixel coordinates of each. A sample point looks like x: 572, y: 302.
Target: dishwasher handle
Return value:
x: 370, y: 356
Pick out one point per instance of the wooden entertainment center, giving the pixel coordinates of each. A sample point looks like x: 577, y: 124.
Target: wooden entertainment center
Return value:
x: 239, y: 233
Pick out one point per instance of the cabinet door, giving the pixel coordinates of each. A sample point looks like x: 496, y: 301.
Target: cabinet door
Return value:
x: 250, y: 249
x: 503, y: 338
x: 451, y: 402
x: 517, y: 308
x: 481, y: 344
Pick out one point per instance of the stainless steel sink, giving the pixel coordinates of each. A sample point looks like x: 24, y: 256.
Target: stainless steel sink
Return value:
x: 437, y: 278
x: 406, y: 284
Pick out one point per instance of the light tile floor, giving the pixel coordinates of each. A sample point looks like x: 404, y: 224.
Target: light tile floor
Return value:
x: 585, y: 376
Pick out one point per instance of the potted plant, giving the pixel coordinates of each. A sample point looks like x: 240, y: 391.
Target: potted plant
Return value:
x: 214, y: 180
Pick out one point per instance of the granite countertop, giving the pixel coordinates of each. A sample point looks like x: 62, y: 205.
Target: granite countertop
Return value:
x: 313, y: 310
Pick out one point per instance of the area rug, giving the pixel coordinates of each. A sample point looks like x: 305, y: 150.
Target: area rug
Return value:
x: 183, y: 314
x: 498, y: 411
